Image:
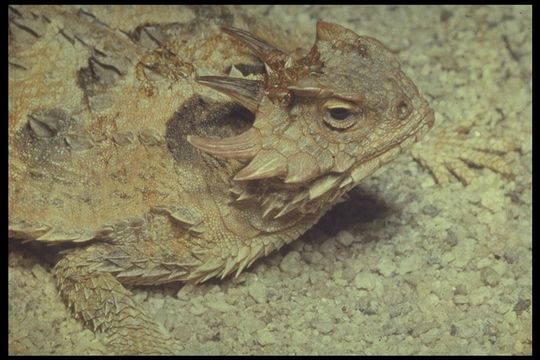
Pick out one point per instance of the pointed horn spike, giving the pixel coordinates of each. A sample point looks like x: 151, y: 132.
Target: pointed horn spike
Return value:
x: 256, y: 251
x: 267, y: 211
x: 324, y: 31
x: 247, y: 92
x: 285, y: 210
x: 289, y: 62
x: 329, y: 32
x: 242, y: 259
x: 266, y: 164
x: 249, y: 39
x: 241, y: 147
x: 228, y: 267
x: 244, y: 196
x: 348, y: 180
x: 273, y: 206
x: 267, y: 53
x: 268, y: 69
x: 321, y: 186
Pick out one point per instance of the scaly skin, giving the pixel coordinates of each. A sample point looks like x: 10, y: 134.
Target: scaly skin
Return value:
x: 118, y: 142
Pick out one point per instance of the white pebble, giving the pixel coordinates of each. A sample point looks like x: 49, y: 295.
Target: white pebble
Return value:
x: 386, y: 267
x: 258, y: 292
x: 220, y: 306
x: 409, y: 264
x: 366, y: 280
x: 479, y: 295
x: 291, y: 263
x: 265, y: 337
x: 345, y: 238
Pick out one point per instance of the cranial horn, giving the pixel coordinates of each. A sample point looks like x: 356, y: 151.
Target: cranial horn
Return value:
x: 247, y: 92
x: 241, y: 147
x: 328, y: 32
x: 269, y: 54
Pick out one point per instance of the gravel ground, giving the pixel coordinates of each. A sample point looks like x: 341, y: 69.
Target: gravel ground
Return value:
x: 405, y: 266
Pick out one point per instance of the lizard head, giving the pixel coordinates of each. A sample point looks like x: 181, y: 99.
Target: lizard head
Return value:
x: 324, y: 120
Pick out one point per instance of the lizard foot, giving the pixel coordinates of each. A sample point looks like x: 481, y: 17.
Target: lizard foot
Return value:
x: 449, y: 153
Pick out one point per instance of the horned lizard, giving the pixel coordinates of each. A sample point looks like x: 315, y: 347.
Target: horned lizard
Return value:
x: 125, y: 149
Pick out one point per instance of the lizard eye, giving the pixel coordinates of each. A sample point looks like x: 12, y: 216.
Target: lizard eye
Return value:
x: 338, y: 115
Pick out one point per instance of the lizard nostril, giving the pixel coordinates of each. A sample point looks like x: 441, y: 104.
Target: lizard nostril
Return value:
x: 402, y: 109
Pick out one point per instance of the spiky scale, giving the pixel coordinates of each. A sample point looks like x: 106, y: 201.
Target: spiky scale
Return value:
x: 267, y: 163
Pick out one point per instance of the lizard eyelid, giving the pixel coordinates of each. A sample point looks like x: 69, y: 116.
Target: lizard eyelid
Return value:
x: 339, y: 114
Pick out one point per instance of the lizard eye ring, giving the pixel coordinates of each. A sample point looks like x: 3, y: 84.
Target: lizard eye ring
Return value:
x: 339, y: 115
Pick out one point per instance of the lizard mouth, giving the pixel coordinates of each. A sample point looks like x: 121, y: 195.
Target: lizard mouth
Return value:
x: 427, y: 123
x: 376, y: 160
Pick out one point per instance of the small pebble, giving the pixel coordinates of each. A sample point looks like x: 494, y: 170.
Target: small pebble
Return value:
x: 386, y: 267
x: 220, y: 306
x: 265, y: 337
x: 410, y: 264
x: 185, y: 293
x: 366, y: 280
x: 482, y: 263
x: 197, y: 309
x: 291, y: 263
x: 479, y: 295
x: 324, y: 327
x: 490, y: 277
x: 345, y: 238
x: 258, y: 292
x: 522, y: 305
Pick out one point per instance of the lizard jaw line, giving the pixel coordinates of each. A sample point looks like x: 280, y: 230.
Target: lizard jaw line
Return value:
x: 376, y: 161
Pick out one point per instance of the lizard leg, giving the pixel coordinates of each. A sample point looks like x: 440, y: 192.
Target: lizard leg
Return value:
x: 104, y: 304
